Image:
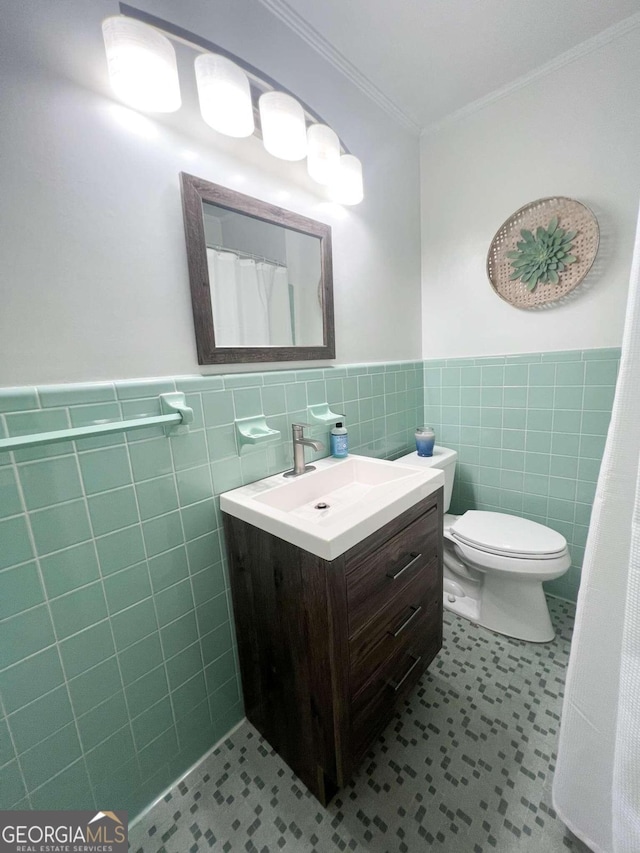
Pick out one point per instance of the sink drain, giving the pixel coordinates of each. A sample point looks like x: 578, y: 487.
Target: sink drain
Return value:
x: 321, y: 505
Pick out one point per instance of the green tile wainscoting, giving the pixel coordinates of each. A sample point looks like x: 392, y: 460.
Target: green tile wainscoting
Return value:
x: 118, y: 666
x: 530, y: 432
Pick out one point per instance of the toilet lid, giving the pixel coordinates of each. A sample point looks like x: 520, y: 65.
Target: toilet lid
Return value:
x: 505, y: 534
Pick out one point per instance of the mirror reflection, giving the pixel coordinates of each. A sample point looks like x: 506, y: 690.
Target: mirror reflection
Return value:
x: 265, y: 281
x: 260, y: 277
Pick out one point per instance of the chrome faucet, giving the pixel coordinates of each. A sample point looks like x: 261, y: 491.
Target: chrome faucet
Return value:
x: 299, y: 444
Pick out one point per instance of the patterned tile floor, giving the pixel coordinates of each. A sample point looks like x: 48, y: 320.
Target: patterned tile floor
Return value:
x: 465, y: 767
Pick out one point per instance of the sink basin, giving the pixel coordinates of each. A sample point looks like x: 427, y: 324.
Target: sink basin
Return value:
x: 331, y: 509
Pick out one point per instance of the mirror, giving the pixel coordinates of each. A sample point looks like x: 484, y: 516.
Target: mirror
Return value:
x: 261, y: 282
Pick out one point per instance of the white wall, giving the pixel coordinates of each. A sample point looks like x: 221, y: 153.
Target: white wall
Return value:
x: 305, y: 271
x: 93, y: 273
x: 574, y: 132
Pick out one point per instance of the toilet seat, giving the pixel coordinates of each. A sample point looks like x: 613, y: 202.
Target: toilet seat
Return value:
x: 507, y: 536
x: 502, y: 543
x: 529, y: 568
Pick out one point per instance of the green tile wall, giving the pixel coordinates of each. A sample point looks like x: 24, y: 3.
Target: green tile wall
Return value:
x: 530, y: 433
x: 118, y: 667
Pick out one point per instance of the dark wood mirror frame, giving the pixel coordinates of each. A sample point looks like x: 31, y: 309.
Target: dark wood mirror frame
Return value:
x: 195, y: 191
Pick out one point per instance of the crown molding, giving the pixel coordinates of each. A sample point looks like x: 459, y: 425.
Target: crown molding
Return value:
x: 282, y: 10
x: 575, y: 53
x: 312, y: 37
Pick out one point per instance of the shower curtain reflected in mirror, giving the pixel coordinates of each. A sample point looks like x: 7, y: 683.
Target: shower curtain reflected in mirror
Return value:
x: 251, y: 301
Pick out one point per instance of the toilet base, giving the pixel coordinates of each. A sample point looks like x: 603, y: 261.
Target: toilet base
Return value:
x: 516, y: 609
x: 463, y: 605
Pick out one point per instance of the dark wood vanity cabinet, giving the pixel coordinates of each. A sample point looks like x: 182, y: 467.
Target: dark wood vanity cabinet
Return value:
x: 328, y: 648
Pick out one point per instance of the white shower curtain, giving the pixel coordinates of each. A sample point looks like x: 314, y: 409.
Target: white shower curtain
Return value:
x: 596, y: 789
x: 275, y: 283
x: 254, y: 305
x: 224, y: 297
x: 250, y: 301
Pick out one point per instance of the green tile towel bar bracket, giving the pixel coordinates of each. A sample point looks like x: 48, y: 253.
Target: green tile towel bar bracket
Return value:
x: 175, y: 418
x: 254, y: 431
x: 322, y: 414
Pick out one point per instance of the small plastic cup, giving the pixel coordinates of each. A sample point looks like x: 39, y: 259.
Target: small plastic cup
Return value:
x: 425, y: 440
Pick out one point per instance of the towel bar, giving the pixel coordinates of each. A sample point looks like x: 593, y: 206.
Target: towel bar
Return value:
x: 177, y: 415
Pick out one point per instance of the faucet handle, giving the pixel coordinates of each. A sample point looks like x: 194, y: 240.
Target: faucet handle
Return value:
x: 302, y: 426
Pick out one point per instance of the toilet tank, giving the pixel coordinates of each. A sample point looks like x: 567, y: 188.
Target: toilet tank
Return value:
x: 444, y: 459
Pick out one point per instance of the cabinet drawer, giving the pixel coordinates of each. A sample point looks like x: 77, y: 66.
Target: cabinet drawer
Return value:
x: 376, y: 702
x: 398, y: 623
x: 375, y: 577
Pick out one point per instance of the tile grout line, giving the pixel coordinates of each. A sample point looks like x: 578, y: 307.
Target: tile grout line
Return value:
x: 159, y: 631
x: 201, y: 635
x: 54, y: 631
x: 16, y: 757
x: 108, y: 619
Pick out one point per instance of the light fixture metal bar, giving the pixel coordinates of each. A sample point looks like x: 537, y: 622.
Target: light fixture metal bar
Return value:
x: 258, y: 79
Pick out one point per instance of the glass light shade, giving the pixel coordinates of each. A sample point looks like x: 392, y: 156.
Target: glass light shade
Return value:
x: 284, y: 131
x: 346, y: 187
x: 323, y: 153
x: 142, y: 65
x: 225, y: 95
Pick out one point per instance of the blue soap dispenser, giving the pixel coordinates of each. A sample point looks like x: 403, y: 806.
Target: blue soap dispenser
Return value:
x: 339, y: 441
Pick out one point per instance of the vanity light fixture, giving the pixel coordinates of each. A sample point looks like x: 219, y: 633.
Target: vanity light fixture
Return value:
x: 142, y: 65
x: 234, y: 97
x: 323, y: 153
x: 284, y: 130
x: 225, y: 95
x: 347, y: 187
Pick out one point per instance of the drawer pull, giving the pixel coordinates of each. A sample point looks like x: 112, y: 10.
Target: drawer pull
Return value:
x: 393, y: 575
x: 407, y: 621
x: 396, y: 685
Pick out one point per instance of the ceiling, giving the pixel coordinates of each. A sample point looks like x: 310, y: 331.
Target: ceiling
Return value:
x: 426, y: 59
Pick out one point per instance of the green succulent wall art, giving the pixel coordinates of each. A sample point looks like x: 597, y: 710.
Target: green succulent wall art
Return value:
x: 541, y: 258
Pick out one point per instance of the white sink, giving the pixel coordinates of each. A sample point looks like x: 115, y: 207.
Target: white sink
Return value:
x: 361, y: 495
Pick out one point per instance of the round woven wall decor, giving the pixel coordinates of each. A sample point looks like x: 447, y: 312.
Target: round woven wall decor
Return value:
x: 572, y: 216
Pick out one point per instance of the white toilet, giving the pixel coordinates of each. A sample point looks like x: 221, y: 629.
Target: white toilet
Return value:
x: 494, y: 563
